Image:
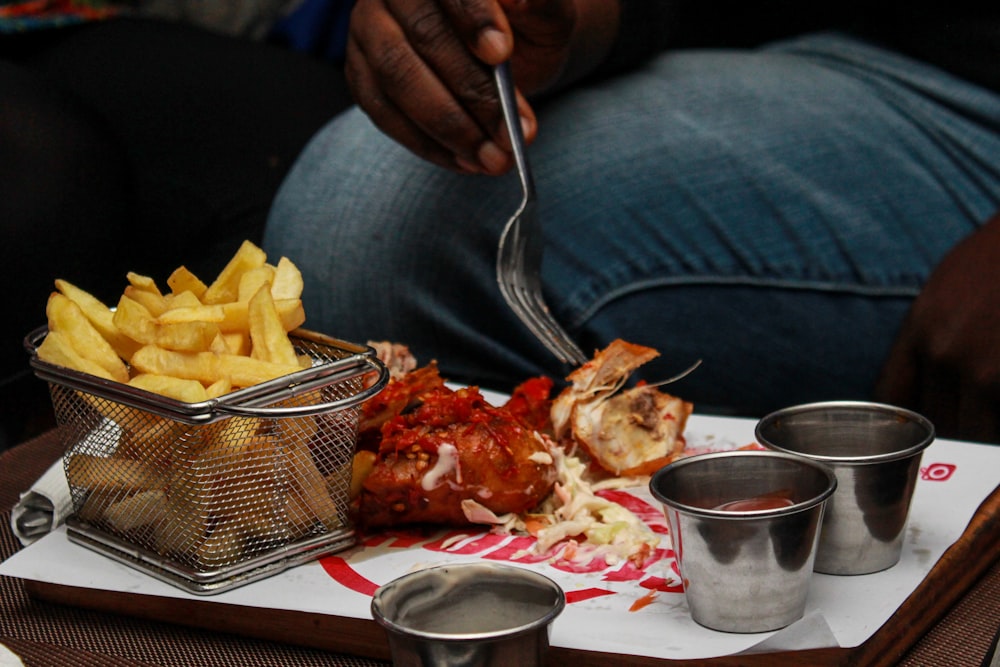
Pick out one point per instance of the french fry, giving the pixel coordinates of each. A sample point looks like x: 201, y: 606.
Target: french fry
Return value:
x: 135, y: 320
x: 143, y: 283
x: 185, y: 299
x: 142, y: 509
x: 207, y: 367
x: 57, y: 349
x: 187, y: 336
x: 146, y: 436
x: 287, y: 283
x: 182, y: 280
x: 188, y: 391
x: 220, y: 387
x: 180, y: 532
x: 310, y: 480
x: 225, y: 288
x: 100, y: 316
x: 268, y: 339
x: 303, y: 429
x: 154, y: 303
x: 199, y: 313
x: 222, y: 547
x: 361, y: 467
x: 138, y: 323
x: 112, y: 474
x: 69, y: 320
x: 93, y: 506
x: 237, y: 342
x: 253, y: 280
x: 237, y: 318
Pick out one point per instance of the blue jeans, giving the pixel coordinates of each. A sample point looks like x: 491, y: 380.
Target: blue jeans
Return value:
x: 771, y: 212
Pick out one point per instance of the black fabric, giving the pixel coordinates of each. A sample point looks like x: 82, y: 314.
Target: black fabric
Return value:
x: 961, y: 36
x: 138, y: 145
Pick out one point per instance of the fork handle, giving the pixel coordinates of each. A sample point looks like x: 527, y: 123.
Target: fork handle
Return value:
x: 508, y: 103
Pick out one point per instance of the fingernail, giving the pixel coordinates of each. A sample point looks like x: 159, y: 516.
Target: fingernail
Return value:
x: 527, y: 126
x: 492, y: 157
x: 494, y: 45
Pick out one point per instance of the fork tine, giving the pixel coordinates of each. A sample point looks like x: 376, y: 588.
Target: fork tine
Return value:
x: 519, y: 255
x: 534, y: 312
x: 543, y: 324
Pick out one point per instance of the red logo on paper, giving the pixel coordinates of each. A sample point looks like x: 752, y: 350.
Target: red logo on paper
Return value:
x: 937, y: 472
x: 505, y: 548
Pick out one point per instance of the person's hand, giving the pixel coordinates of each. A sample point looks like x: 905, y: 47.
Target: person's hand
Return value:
x: 945, y: 362
x: 422, y: 71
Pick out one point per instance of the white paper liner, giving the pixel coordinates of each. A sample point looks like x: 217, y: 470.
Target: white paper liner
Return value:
x: 8, y: 658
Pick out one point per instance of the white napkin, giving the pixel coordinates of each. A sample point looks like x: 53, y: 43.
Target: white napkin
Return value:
x: 43, y: 507
x: 8, y: 658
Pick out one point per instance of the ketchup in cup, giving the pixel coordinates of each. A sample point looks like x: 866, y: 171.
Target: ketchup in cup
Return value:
x: 770, y: 501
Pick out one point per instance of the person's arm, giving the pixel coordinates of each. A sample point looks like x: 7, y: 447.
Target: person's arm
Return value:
x: 945, y: 362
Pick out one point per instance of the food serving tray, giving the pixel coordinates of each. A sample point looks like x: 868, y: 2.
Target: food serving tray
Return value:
x: 953, y: 539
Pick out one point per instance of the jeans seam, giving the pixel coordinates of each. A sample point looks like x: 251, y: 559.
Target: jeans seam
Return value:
x: 896, y: 292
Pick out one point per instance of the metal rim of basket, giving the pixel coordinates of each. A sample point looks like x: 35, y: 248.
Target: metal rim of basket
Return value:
x: 246, y: 402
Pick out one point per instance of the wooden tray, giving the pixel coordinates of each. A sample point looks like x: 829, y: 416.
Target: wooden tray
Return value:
x: 959, y: 567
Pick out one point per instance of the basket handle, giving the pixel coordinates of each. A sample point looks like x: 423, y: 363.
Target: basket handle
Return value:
x: 317, y: 408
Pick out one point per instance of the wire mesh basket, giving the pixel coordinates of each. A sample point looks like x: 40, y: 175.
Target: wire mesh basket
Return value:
x: 209, y: 496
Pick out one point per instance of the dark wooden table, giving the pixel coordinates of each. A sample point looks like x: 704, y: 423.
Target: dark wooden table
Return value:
x: 949, y: 623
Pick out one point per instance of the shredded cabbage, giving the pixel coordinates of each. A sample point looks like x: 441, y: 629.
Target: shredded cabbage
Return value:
x: 579, y: 525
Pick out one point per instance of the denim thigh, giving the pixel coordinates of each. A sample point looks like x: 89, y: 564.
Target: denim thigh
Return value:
x: 772, y: 212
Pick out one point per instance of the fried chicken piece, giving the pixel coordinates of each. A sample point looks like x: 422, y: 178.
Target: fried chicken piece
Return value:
x: 454, y: 446
x: 400, y: 394
x: 530, y: 403
x: 630, y: 432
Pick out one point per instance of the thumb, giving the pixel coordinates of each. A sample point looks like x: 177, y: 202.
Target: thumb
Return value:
x: 483, y: 26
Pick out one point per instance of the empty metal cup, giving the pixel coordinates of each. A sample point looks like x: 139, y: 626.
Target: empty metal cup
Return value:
x: 744, y: 526
x: 468, y: 615
x: 875, y: 451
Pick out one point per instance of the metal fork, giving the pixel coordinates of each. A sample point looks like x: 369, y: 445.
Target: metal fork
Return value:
x: 519, y: 255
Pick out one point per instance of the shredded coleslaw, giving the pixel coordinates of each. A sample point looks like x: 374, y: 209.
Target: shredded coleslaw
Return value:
x: 577, y: 525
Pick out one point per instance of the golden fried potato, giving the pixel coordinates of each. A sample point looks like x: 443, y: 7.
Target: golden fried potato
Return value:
x: 208, y: 367
x: 112, y: 474
x: 182, y: 280
x: 185, y: 299
x: 287, y: 283
x: 142, y: 509
x: 192, y: 313
x: 237, y: 316
x: 307, y: 477
x: 253, y: 280
x: 268, y: 338
x: 138, y: 323
x: 361, y: 467
x: 226, y: 286
x: 57, y: 349
x: 188, y: 391
x: 101, y: 317
x: 66, y: 318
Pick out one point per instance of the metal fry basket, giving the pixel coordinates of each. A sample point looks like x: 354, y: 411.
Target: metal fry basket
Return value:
x: 213, y: 495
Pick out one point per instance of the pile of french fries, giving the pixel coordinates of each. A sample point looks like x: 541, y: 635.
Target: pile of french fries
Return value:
x: 193, y: 343
x: 208, y: 494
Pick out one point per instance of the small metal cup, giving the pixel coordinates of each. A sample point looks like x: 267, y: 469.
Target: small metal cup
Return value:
x: 468, y: 615
x: 875, y: 451
x: 744, y: 526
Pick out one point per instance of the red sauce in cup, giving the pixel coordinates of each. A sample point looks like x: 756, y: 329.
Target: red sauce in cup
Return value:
x: 768, y: 502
